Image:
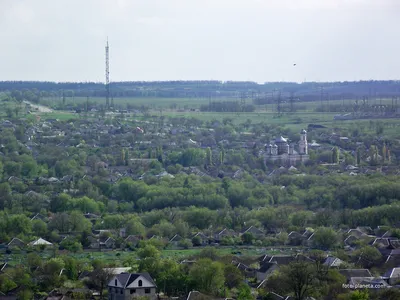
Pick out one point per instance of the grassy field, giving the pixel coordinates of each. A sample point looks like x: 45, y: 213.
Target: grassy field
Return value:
x: 157, y: 102
x: 147, y: 101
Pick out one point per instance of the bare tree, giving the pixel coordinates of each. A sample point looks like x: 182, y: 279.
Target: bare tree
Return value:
x: 100, y: 278
x: 299, y: 277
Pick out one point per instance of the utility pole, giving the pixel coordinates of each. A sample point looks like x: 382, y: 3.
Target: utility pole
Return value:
x: 279, y: 104
x: 107, y: 77
x: 322, y: 98
x: 343, y: 103
x: 327, y: 101
x: 242, y: 101
x: 291, y: 102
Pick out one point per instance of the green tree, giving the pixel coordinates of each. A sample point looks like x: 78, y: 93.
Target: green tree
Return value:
x: 359, y: 295
x: 25, y: 294
x: 5, y: 195
x: 122, y: 159
x: 335, y: 155
x: 244, y: 292
x: 78, y: 222
x: 325, y: 238
x: 196, y: 241
x: 100, y: 277
x: 60, y: 203
x: 208, y: 156
x: 71, y: 267
x: 6, y: 283
x: 193, y: 157
x: 247, y: 238
x: 233, y: 276
x: 50, y: 273
x: 133, y: 226
x: 34, y: 260
x: 207, y: 276
x: 172, y: 280
x: 358, y: 156
x: 299, y: 277
x: 12, y: 168
x: 71, y: 245
x: 39, y: 227
x: 373, y: 155
x: 384, y: 152
x: 368, y: 256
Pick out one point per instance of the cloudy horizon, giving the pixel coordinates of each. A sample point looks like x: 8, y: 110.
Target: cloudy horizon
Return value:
x: 150, y: 40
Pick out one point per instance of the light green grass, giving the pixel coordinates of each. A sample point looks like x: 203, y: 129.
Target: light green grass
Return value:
x: 159, y: 102
x: 139, y: 101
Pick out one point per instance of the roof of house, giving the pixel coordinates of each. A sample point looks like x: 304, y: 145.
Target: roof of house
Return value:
x: 392, y: 273
x: 117, y: 271
x: 254, y: 230
x: 200, y: 234
x: 127, y: 278
x: 394, y: 244
x: 15, y: 240
x: 3, y: 266
x: 331, y: 261
x: 349, y: 273
x: 267, y: 267
x: 84, y: 274
x: 272, y: 295
x: 384, y: 242
x: 226, y: 231
x: 356, y: 233
x: 132, y: 239
x: 302, y: 257
x: 295, y: 235
x: 195, y: 295
x: 175, y: 238
x: 40, y: 241
x: 282, y: 259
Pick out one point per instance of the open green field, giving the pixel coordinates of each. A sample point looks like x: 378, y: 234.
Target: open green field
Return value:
x: 147, y: 101
x: 158, y: 102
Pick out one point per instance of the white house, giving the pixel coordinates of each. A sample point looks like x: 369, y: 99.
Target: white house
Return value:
x: 125, y: 286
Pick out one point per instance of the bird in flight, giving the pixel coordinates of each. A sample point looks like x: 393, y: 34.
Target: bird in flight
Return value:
x: 294, y: 65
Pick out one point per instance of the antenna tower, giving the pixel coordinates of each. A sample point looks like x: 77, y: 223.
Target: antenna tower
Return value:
x: 107, y: 77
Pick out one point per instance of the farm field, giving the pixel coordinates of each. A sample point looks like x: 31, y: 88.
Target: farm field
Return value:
x: 180, y: 103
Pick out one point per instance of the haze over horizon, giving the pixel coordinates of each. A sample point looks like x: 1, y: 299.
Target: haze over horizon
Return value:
x: 150, y: 40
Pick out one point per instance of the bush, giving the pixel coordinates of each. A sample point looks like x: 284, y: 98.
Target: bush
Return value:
x: 185, y: 244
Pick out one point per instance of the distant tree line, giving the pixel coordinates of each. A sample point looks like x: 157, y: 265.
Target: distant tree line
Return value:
x: 214, y: 89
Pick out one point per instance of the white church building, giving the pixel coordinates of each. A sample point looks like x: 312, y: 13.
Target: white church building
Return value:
x: 283, y: 151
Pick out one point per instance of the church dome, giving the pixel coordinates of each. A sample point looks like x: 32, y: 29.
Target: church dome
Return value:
x: 303, y: 131
x: 280, y: 139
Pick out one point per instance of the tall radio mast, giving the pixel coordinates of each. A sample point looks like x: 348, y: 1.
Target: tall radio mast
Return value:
x: 107, y: 77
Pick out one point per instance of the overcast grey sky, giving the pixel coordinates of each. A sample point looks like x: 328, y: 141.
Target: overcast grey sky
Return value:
x: 257, y: 40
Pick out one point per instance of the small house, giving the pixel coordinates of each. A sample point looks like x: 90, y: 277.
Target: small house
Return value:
x: 126, y: 286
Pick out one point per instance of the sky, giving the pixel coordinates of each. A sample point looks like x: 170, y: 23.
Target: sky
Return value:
x: 254, y: 40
